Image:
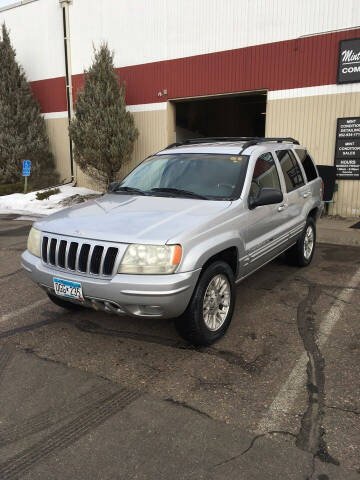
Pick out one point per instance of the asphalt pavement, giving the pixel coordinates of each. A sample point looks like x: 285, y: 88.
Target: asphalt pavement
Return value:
x: 88, y: 395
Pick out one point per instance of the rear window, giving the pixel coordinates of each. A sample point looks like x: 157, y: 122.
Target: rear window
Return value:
x: 291, y: 170
x: 307, y: 164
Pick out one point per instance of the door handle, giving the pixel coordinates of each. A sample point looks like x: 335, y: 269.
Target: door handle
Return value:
x: 306, y: 194
x: 282, y: 207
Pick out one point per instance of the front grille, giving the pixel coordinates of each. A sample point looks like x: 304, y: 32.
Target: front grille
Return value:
x: 72, y: 255
x: 109, y: 260
x: 83, y: 257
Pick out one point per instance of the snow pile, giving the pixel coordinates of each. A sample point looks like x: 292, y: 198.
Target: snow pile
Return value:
x: 29, y: 204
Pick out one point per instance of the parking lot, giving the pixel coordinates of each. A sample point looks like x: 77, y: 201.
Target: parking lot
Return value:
x: 89, y: 395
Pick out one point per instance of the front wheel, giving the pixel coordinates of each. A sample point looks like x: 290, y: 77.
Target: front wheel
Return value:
x: 302, y: 252
x: 211, y: 307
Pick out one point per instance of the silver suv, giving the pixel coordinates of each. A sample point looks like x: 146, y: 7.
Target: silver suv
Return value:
x: 176, y: 235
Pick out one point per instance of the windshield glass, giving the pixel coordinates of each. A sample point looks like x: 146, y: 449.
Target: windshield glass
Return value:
x: 210, y: 176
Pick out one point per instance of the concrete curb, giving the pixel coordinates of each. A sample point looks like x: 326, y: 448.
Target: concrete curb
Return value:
x: 337, y: 231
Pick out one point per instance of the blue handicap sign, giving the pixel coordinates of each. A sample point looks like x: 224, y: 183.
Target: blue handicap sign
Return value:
x: 26, y: 168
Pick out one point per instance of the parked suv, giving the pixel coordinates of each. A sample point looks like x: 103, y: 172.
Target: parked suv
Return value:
x: 180, y: 231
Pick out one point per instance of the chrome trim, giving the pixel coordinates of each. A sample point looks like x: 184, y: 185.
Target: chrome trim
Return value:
x: 152, y: 293
x: 66, y: 255
x: 121, y: 247
x: 240, y: 279
x: 47, y: 250
x: 77, y: 257
x: 102, y: 261
x: 92, y: 246
x: 57, y: 253
x: 269, y: 245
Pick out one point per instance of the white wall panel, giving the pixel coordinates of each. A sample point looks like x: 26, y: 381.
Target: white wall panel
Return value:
x: 142, y: 31
x: 36, y: 33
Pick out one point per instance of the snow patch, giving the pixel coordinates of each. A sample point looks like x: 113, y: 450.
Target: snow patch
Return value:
x: 28, y: 203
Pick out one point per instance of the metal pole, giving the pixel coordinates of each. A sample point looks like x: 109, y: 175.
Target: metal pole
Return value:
x: 68, y: 72
x: 25, y: 185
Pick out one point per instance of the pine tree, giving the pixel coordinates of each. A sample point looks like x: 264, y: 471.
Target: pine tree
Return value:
x: 103, y: 131
x: 23, y: 133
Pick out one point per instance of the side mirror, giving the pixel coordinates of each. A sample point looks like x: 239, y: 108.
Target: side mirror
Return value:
x: 266, y: 196
x: 113, y: 186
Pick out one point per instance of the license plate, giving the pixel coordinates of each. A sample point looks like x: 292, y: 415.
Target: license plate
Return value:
x: 66, y: 288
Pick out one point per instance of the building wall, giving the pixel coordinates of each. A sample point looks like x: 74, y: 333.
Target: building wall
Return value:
x: 153, y: 127
x: 36, y: 31
x: 184, y: 28
x: 172, y: 28
x: 310, y: 117
x: 191, y: 48
x: 57, y: 129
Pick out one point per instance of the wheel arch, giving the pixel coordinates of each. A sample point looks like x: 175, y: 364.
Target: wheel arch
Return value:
x: 314, y: 213
x: 229, y: 255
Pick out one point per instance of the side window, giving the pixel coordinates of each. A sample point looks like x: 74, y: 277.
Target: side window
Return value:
x: 291, y: 170
x: 265, y: 175
x: 307, y: 164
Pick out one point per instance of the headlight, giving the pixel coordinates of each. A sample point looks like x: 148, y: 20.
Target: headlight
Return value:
x: 33, y: 243
x: 150, y: 259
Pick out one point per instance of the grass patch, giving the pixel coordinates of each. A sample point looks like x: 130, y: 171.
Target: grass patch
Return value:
x: 8, y: 188
x: 47, y: 193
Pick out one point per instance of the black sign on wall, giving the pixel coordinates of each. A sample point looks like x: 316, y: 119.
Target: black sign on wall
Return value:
x: 347, y: 149
x: 349, y: 61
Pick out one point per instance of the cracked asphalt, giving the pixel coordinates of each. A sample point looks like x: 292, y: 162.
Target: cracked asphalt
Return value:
x: 88, y: 395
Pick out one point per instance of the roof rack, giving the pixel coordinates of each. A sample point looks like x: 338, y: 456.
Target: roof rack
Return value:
x: 249, y: 141
x: 255, y: 141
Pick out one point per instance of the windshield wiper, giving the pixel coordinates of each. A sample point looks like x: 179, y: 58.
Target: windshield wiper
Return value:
x: 130, y: 190
x: 179, y: 191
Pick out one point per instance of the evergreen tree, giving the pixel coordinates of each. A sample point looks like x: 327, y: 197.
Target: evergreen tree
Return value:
x: 103, y: 131
x: 23, y: 133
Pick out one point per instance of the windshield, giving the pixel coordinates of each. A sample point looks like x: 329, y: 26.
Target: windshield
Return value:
x: 209, y: 176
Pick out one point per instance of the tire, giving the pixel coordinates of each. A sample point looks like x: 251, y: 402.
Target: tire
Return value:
x: 297, y: 254
x: 194, y: 325
x: 64, y: 303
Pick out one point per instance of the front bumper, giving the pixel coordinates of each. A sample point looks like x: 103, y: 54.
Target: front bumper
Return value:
x: 165, y: 296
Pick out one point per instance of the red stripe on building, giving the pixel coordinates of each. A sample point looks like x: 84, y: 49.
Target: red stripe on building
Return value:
x: 302, y: 62
x: 51, y: 94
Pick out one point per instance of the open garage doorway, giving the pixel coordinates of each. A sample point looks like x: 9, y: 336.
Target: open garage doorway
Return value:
x: 236, y: 115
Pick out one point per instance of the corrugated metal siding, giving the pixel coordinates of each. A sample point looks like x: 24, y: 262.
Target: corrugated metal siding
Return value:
x: 298, y: 63
x: 153, y: 137
x: 36, y: 32
x: 57, y: 129
x: 312, y: 120
x: 167, y: 29
x: 50, y: 94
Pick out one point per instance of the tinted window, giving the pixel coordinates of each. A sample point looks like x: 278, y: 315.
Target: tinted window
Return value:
x: 265, y: 175
x: 307, y: 164
x: 291, y: 170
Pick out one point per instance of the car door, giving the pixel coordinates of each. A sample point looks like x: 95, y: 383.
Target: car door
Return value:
x: 265, y: 230
x: 295, y: 194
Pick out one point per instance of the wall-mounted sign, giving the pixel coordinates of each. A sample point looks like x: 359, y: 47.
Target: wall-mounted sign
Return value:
x: 349, y: 61
x: 347, y: 149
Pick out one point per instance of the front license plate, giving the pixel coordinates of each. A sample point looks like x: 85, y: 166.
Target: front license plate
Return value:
x: 66, y: 288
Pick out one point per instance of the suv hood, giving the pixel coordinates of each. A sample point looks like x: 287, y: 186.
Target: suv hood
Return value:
x: 132, y: 219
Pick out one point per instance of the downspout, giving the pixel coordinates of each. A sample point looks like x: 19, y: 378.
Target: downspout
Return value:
x: 68, y: 74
